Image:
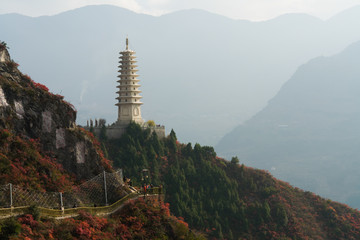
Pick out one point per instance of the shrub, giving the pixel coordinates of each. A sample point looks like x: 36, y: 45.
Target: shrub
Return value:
x: 3, y: 46
x: 12, y: 65
x: 40, y: 86
x: 235, y: 160
x: 151, y: 123
x: 34, y: 211
x: 10, y: 227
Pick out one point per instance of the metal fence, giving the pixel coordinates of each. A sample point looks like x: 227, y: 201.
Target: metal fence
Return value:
x: 102, y: 190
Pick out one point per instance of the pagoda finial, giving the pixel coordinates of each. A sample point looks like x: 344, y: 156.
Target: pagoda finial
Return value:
x: 127, y: 43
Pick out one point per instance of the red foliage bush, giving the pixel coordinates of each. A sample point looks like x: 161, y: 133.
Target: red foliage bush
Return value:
x: 104, y: 161
x: 32, y: 168
x: 139, y: 220
x: 70, y: 105
x: 28, y: 219
x: 12, y: 65
x: 39, y: 86
x: 59, y: 96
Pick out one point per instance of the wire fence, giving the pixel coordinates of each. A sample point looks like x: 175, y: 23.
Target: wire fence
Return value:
x: 102, y: 190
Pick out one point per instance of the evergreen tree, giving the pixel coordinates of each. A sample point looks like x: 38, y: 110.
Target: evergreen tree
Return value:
x: 102, y: 134
x: 235, y: 160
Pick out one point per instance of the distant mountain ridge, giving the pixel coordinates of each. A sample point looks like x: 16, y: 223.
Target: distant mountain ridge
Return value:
x: 309, y: 133
x: 197, y: 69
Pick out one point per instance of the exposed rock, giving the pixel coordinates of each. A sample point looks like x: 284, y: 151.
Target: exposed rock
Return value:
x: 46, y: 121
x: 4, y: 56
x: 80, y: 152
x: 60, y: 138
x: 3, y: 102
x: 29, y: 110
x: 19, y: 109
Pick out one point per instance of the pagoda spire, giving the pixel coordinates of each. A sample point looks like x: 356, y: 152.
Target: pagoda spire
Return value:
x: 129, y: 99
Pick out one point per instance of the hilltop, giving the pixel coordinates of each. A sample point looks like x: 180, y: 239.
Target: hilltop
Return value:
x: 218, y: 198
x: 45, y: 120
x: 42, y: 152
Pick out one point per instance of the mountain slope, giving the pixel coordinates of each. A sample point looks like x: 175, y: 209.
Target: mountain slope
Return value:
x: 309, y: 132
x: 39, y: 152
x: 214, y: 69
x: 225, y: 199
x: 220, y: 198
x: 33, y: 117
x: 138, y: 220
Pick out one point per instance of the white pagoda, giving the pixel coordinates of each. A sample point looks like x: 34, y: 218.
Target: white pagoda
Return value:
x: 129, y: 99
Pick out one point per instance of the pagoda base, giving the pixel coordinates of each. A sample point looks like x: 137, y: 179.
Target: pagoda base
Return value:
x: 116, y: 130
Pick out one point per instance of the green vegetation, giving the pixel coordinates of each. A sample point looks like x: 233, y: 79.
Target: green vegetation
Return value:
x: 225, y: 199
x: 235, y: 160
x: 28, y: 158
x: 9, y: 227
x: 151, y: 123
x: 139, y: 219
x: 12, y: 65
x: 3, y: 45
x: 218, y: 198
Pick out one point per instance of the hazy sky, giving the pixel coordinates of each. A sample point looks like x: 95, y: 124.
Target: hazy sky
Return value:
x: 237, y: 9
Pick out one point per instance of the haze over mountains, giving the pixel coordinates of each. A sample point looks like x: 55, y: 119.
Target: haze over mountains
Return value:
x: 201, y: 73
x: 309, y: 134
x: 42, y: 153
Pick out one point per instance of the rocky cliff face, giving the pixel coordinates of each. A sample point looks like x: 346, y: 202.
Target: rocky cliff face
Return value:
x: 29, y: 110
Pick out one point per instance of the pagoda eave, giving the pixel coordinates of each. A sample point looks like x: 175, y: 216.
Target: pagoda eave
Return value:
x: 127, y: 91
x: 129, y: 97
x: 129, y: 103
